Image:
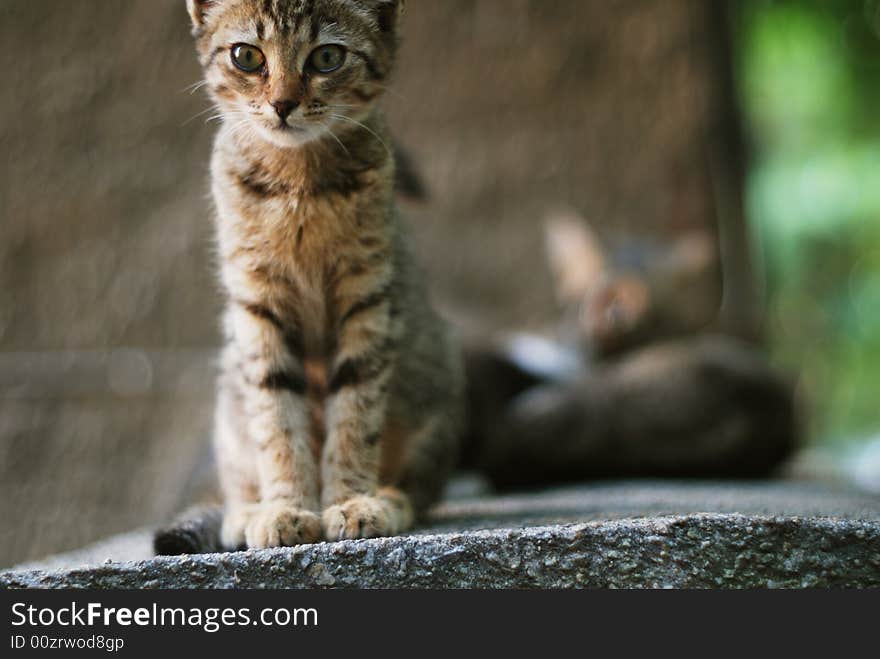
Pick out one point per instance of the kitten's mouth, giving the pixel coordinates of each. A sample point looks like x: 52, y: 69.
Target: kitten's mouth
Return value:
x: 283, y: 126
x: 286, y: 135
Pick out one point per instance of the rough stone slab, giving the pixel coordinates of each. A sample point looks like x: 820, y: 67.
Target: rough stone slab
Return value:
x: 651, y: 535
x: 693, y: 551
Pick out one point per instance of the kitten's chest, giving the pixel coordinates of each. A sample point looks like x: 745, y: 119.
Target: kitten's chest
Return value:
x: 295, y: 246
x: 285, y: 253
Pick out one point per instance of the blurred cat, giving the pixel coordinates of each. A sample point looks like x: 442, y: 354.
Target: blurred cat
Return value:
x: 613, y: 300
x: 626, y: 384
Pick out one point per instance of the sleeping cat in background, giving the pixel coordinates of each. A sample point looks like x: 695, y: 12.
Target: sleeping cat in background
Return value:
x: 628, y: 382
x: 616, y: 299
x: 341, y: 398
x: 340, y: 395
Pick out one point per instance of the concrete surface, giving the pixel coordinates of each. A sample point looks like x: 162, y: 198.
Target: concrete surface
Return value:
x: 695, y: 535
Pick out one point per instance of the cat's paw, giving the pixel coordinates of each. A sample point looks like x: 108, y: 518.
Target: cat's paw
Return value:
x: 280, y: 524
x: 232, y: 532
x: 365, y: 517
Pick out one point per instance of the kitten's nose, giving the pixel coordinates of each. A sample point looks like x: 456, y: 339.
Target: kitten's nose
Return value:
x: 284, y: 108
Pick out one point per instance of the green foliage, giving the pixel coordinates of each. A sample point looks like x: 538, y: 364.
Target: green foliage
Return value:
x: 809, y: 76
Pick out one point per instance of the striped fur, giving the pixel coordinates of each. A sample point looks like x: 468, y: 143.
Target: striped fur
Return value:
x: 339, y: 402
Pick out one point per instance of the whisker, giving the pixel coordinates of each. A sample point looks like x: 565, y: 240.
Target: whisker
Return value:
x: 198, y: 84
x: 226, y: 113
x: 366, y: 128
x: 241, y: 126
x: 200, y: 114
x: 335, y: 137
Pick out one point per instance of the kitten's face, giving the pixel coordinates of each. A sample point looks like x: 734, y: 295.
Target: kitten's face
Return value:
x: 291, y: 71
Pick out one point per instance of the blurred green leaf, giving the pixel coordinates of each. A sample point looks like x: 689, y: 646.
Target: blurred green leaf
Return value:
x: 809, y: 75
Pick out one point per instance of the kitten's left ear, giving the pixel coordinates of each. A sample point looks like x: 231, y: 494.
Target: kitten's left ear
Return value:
x: 198, y: 10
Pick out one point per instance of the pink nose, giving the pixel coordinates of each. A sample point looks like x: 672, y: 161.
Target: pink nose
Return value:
x: 285, y: 107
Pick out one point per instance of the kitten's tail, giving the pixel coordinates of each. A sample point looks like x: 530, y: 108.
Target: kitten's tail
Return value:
x: 195, y: 531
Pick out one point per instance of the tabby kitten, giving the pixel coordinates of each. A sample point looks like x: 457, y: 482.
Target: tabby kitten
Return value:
x: 339, y: 403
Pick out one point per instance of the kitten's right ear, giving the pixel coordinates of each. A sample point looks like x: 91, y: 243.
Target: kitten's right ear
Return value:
x: 389, y: 13
x: 198, y: 10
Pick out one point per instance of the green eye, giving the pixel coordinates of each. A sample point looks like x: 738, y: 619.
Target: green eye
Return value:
x: 247, y: 58
x: 327, y: 59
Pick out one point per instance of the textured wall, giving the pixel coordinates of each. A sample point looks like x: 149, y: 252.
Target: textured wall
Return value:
x: 510, y: 107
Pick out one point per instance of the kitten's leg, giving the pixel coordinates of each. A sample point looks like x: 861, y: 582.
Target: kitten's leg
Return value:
x: 419, y: 464
x: 277, y: 425
x: 235, y: 465
x: 353, y: 505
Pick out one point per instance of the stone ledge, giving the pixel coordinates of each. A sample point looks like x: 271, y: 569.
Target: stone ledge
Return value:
x: 692, y: 551
x: 597, y: 536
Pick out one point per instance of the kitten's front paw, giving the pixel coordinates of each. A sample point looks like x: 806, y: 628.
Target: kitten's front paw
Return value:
x: 361, y: 517
x: 279, y: 524
x: 235, y: 521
